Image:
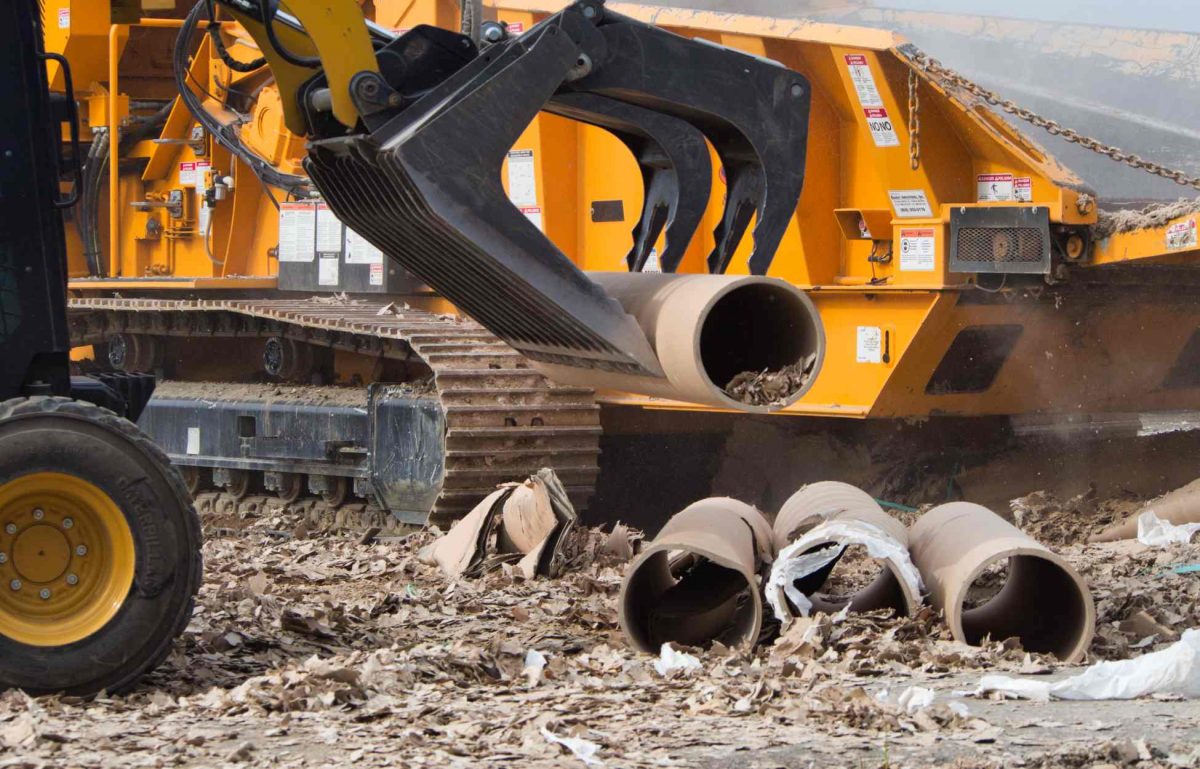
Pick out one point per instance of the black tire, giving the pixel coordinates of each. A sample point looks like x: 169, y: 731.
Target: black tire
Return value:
x: 65, y: 436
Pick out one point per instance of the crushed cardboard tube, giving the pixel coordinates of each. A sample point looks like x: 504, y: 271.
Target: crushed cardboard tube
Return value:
x: 522, y: 522
x: 1179, y: 507
x: 1044, y: 602
x: 812, y: 531
x: 698, y: 581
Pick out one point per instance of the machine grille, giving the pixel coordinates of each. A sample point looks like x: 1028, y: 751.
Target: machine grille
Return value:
x: 1000, y: 240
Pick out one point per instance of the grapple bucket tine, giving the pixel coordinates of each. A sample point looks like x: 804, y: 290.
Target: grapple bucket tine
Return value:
x: 754, y: 111
x: 676, y: 171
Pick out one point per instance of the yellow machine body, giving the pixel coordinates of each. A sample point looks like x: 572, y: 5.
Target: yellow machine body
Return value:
x: 892, y: 155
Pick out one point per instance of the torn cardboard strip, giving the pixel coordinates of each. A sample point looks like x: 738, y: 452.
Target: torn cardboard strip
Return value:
x: 524, y: 523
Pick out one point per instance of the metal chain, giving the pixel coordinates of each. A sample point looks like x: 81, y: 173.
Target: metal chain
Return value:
x: 945, y: 76
x: 914, y: 121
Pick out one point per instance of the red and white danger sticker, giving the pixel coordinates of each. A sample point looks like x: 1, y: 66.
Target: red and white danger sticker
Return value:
x: 1023, y: 189
x: 533, y: 214
x: 994, y: 188
x: 1182, y: 235
x: 880, y: 125
x: 516, y: 27
x: 918, y: 250
x: 864, y: 81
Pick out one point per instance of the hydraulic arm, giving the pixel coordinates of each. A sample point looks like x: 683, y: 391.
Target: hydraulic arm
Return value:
x: 408, y: 134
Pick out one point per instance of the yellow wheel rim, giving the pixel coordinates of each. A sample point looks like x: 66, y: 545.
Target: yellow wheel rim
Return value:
x: 66, y: 559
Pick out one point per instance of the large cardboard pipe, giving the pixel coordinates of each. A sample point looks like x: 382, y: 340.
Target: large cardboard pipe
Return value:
x: 1043, y: 602
x: 698, y: 581
x: 832, y: 515
x: 707, y: 329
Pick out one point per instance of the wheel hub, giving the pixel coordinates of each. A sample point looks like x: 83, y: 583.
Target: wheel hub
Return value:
x: 66, y: 559
x: 41, y: 553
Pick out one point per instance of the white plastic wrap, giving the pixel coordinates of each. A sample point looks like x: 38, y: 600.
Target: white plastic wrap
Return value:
x: 794, y: 563
x: 1173, y: 670
x: 1155, y: 532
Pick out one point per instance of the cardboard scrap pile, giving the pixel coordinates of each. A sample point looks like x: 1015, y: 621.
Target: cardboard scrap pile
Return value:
x: 526, y: 523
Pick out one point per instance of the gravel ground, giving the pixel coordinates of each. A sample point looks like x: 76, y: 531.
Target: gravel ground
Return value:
x: 311, y: 647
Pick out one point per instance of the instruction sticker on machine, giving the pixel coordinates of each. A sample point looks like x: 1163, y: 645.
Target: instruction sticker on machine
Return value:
x: 864, y: 81
x: 995, y: 188
x: 869, y: 345
x: 359, y: 250
x: 522, y: 181
x: 297, y: 232
x: 918, y: 250
x: 1182, y: 235
x: 910, y: 204
x: 881, y: 128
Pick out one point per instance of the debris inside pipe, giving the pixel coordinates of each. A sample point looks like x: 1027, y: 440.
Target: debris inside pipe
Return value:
x: 698, y: 582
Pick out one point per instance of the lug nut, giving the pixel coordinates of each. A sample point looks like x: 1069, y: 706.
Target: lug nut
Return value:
x: 11, y: 528
x: 3, y: 557
x: 67, y: 523
x: 38, y: 514
x: 72, y: 579
x: 44, y: 593
x: 15, y: 584
x: 81, y: 550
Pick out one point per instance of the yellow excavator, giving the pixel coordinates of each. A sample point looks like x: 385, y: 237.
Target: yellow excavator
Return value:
x: 400, y: 251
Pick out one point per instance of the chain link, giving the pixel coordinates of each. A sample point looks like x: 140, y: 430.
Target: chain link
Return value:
x: 914, y: 121
x: 945, y: 76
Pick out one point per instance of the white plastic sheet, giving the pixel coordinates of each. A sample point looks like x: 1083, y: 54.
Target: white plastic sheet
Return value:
x: 584, y: 750
x: 669, y: 660
x: 1155, y: 532
x: 915, y: 698
x: 794, y: 563
x: 1174, y: 670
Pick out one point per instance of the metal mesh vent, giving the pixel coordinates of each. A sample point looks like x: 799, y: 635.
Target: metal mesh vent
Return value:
x: 1001, y: 240
x: 1000, y: 245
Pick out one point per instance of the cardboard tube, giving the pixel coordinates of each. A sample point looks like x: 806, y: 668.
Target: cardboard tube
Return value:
x: 1177, y: 507
x: 707, y: 329
x: 808, y: 516
x: 1043, y: 602
x: 698, y: 581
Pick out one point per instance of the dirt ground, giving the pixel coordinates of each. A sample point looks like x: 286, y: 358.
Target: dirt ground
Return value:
x: 311, y: 647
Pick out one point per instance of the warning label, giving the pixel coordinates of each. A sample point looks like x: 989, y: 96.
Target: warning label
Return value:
x: 64, y: 18
x: 918, y: 250
x: 329, y: 231
x: 327, y: 270
x: 533, y: 214
x: 297, y: 232
x: 864, y: 81
x: 377, y: 274
x: 360, y: 251
x: 1023, y: 189
x: 880, y: 125
x: 910, y: 204
x: 868, y: 346
x: 516, y: 27
x: 1182, y: 235
x: 994, y: 188
x: 522, y: 181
